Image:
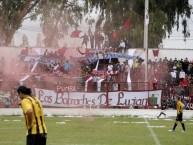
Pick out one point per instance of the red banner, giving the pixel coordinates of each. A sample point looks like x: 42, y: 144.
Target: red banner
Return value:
x: 155, y: 53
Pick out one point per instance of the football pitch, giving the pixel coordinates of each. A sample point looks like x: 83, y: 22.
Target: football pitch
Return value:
x: 97, y: 130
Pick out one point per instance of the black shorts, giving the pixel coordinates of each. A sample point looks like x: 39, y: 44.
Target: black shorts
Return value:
x: 36, y: 139
x: 179, y: 117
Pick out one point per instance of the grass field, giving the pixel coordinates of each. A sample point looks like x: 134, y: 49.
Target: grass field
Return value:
x: 100, y: 131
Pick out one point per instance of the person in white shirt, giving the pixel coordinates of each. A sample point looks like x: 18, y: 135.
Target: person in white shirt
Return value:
x: 110, y: 67
x: 173, y: 73
x: 121, y: 46
x: 182, y: 74
x: 95, y: 80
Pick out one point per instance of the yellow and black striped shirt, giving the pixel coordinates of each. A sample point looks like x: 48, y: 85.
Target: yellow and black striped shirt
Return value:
x: 38, y: 123
x: 180, y: 107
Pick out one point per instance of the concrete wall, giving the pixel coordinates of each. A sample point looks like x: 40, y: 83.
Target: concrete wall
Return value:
x: 151, y: 113
x: 169, y: 53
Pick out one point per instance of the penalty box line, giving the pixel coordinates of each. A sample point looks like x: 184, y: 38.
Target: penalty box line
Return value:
x: 152, y: 133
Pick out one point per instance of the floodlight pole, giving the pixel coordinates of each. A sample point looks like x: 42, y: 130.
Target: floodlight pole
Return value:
x: 145, y: 42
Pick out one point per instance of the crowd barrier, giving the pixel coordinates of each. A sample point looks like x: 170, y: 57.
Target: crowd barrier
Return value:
x: 72, y: 94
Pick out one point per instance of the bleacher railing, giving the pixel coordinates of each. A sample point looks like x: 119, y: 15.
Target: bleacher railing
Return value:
x: 71, y: 94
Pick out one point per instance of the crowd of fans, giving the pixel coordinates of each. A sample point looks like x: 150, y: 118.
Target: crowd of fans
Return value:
x: 174, y: 77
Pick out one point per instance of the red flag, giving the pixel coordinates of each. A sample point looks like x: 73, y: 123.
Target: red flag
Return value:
x: 127, y: 24
x: 82, y: 53
x: 155, y: 53
x: 75, y: 34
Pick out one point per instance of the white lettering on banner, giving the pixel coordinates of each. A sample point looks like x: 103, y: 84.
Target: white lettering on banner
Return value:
x: 77, y: 99
x: 190, y: 106
x: 61, y: 88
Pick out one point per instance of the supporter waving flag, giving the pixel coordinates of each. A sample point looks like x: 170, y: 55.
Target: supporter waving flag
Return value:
x: 75, y: 34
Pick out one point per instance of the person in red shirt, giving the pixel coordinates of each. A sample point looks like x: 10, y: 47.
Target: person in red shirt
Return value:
x: 184, y: 84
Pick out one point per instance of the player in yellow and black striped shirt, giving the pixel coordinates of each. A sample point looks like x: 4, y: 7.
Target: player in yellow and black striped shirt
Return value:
x: 33, y: 113
x: 179, y: 118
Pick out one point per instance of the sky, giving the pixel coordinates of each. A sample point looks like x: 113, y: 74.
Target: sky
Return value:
x: 176, y: 39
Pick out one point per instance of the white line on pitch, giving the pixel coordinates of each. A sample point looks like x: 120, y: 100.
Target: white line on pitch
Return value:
x: 152, y: 133
x: 10, y: 142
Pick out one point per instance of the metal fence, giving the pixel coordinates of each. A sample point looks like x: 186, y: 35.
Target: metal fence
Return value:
x: 9, y: 97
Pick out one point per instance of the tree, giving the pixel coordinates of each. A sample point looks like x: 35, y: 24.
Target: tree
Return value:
x: 12, y: 14
x: 163, y: 14
x: 57, y: 17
